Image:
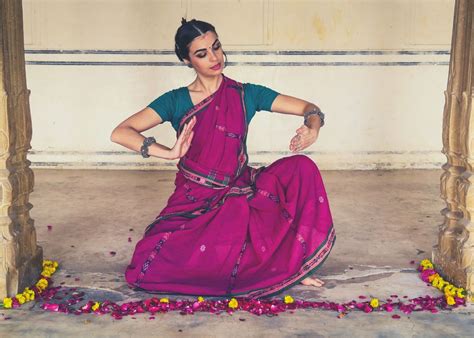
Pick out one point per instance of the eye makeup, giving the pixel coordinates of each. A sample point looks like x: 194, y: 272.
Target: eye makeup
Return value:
x: 216, y: 45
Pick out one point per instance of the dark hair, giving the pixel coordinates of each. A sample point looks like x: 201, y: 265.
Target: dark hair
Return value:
x: 186, y: 33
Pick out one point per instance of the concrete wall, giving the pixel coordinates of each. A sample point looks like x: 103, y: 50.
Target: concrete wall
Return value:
x: 377, y: 68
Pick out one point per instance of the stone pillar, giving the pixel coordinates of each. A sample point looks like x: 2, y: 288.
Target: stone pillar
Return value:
x: 454, y: 253
x: 20, y: 257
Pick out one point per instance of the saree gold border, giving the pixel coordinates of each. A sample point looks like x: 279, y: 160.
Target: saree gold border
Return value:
x: 454, y: 253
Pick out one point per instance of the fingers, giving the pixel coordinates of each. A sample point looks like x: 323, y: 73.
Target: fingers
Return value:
x: 190, y: 137
x: 296, y: 143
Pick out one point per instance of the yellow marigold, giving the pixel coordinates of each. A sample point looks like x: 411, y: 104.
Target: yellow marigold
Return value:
x: 42, y: 284
x: 7, y: 302
x: 450, y: 290
x: 450, y: 300
x: 164, y: 300
x: 425, y: 261
x: 435, y: 281
x: 233, y: 304
x: 95, y: 306
x: 28, y: 294
x: 50, y: 264
x: 441, y: 284
x: 374, y: 302
x: 21, y: 298
x: 428, y: 266
x: 200, y: 299
x: 49, y: 269
x: 46, y: 273
x: 430, y: 278
x: 288, y: 299
x: 460, y: 293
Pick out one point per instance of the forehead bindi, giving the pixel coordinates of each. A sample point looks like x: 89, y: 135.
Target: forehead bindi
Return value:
x: 203, y: 42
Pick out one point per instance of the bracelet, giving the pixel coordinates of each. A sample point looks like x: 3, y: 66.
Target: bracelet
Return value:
x: 146, y: 143
x: 315, y: 111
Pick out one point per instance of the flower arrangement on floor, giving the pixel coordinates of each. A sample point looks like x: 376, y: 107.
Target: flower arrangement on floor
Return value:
x: 52, y: 300
x: 49, y: 267
x: 452, y: 294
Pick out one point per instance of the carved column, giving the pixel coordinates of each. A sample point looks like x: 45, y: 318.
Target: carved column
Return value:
x: 454, y: 253
x: 20, y: 257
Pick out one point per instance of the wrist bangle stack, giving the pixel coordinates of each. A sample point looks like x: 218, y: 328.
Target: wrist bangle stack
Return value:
x: 146, y: 143
x: 315, y: 111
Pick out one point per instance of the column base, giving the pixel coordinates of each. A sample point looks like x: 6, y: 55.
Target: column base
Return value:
x: 450, y: 270
x: 25, y: 275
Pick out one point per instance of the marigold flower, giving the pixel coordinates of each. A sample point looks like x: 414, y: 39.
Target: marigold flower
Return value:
x: 164, y: 300
x: 7, y: 302
x: 21, y: 299
x: 425, y: 261
x: 460, y: 293
x: 437, y: 281
x: 233, y: 304
x: 42, y: 284
x: 450, y: 300
x: 427, y: 267
x: 374, y: 302
x: 200, y: 299
x: 46, y: 273
x: 288, y: 299
x: 29, y: 294
x: 95, y: 306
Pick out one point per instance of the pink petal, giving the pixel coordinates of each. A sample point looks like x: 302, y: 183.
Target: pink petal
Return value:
x: 396, y: 317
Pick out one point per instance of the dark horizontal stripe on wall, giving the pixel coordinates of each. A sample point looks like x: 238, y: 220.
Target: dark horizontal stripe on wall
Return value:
x: 270, y: 64
x: 241, y: 52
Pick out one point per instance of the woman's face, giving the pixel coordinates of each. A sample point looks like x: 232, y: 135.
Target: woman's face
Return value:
x: 206, y: 55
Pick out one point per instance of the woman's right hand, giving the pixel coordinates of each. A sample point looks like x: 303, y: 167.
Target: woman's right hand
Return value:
x: 183, y: 142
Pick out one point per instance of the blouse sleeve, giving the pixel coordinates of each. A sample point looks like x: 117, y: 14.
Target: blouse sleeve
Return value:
x: 164, y: 105
x: 262, y: 96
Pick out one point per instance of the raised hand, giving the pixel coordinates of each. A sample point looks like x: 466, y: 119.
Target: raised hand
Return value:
x: 183, y: 142
x: 303, y: 139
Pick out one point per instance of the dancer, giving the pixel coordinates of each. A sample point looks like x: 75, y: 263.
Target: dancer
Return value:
x: 228, y: 229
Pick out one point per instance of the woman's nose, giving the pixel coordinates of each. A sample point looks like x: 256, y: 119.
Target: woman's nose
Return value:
x: 212, y: 56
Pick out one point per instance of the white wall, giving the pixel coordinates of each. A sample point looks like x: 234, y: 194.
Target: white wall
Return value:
x: 377, y: 68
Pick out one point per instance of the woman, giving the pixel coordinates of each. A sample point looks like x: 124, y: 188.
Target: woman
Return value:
x: 228, y: 229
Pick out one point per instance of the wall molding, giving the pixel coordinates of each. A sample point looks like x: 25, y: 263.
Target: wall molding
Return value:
x: 125, y: 160
x: 242, y: 58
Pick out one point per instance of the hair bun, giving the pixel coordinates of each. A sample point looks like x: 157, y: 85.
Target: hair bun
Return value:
x: 183, y: 21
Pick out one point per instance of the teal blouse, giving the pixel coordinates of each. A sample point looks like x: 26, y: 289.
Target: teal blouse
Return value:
x: 172, y: 105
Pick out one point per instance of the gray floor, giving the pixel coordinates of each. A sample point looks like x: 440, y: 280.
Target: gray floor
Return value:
x: 383, y: 220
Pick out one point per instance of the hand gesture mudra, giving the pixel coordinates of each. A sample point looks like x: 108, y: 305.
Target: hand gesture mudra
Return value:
x: 304, y: 137
x: 183, y: 142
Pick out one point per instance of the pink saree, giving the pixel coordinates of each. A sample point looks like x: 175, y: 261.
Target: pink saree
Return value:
x: 229, y: 229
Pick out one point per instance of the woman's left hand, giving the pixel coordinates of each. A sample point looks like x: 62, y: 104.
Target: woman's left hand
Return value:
x: 303, y: 139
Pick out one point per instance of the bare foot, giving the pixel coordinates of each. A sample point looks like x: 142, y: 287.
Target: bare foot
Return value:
x: 312, y: 281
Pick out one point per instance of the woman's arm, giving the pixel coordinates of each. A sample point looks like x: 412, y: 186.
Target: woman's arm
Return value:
x: 305, y: 135
x: 127, y: 133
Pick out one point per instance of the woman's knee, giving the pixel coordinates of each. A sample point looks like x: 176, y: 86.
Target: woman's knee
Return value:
x: 304, y: 162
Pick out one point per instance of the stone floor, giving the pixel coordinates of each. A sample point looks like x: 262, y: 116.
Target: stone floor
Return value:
x: 383, y: 220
